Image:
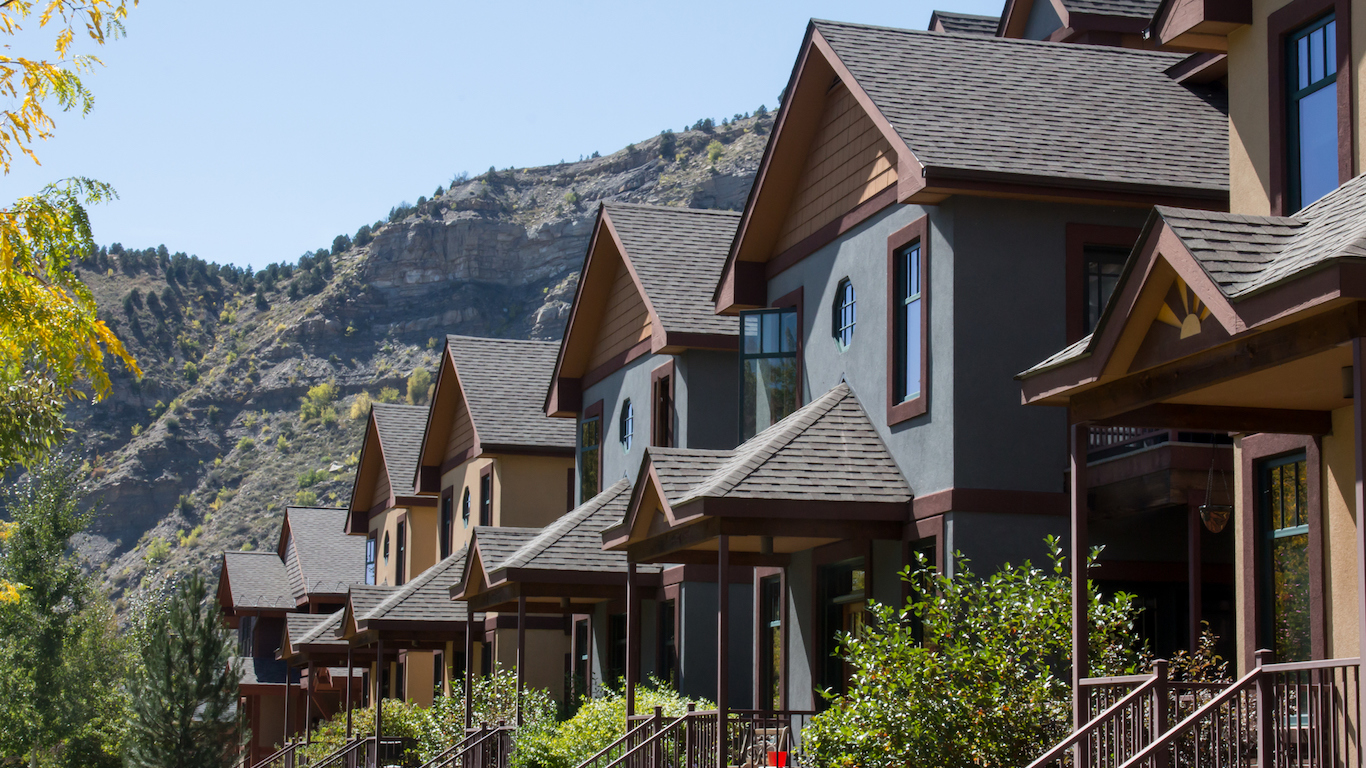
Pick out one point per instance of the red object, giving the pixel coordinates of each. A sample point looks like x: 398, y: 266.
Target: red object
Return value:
x: 778, y: 759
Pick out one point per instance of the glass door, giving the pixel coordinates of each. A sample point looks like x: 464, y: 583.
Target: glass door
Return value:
x: 1284, y: 499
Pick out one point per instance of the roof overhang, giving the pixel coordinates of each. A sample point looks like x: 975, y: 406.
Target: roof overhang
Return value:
x: 1199, y: 25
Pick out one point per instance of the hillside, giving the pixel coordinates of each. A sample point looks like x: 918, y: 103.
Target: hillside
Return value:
x: 204, y: 452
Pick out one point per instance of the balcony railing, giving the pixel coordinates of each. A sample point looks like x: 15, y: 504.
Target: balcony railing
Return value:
x: 1109, y: 442
x: 752, y: 738
x: 1302, y: 714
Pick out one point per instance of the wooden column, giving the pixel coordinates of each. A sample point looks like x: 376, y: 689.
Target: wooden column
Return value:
x: 1359, y: 495
x: 1081, y: 434
x: 379, y: 694
x: 469, y: 667
x: 288, y: 729
x: 1194, y: 567
x: 632, y: 638
x: 308, y: 701
x: 722, y: 648
x: 521, y: 653
x: 350, y: 678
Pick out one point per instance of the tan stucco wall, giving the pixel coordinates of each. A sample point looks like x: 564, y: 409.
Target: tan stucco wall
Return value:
x: 545, y: 657
x: 1339, y: 538
x: 418, y: 673
x: 423, y: 545
x: 1249, y: 130
x: 530, y: 491
x: 461, y: 477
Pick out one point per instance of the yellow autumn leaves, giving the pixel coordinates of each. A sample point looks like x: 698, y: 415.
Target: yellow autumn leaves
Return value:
x: 9, y: 592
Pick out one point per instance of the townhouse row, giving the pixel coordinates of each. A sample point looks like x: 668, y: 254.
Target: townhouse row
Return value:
x: 1158, y: 200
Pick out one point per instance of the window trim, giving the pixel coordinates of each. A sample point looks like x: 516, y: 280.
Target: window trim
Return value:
x: 791, y: 300
x: 662, y: 435
x: 372, y: 558
x: 446, y: 536
x: 764, y: 574
x: 916, y: 231
x: 1078, y: 237
x: 401, y: 551
x: 626, y: 425
x: 466, y: 504
x: 593, y: 411
x: 486, y: 497
x: 837, y: 327
x: 1280, y: 26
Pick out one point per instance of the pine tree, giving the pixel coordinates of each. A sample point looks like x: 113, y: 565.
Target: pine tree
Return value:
x: 183, y: 694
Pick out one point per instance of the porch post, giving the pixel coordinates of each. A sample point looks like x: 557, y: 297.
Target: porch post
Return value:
x: 379, y: 693
x: 632, y: 638
x: 722, y: 648
x: 1194, y: 566
x: 1081, y: 435
x: 350, y: 679
x: 521, y: 653
x: 308, y: 702
x: 1359, y: 495
x: 469, y: 667
x: 288, y: 729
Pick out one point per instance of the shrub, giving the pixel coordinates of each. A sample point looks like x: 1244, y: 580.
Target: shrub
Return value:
x: 402, y: 720
x: 184, y: 504
x: 246, y: 444
x: 261, y: 302
x: 360, y: 406
x: 190, y: 538
x: 172, y: 424
x: 318, y: 402
x: 305, y: 499
x: 311, y: 477
x: 190, y: 372
x: 363, y: 235
x: 340, y: 243
x: 158, y: 549
x: 387, y: 395
x: 571, y: 197
x: 597, y: 724
x: 714, y: 150
x: 419, y: 386
x: 282, y: 444
x: 667, y: 144
x: 990, y: 686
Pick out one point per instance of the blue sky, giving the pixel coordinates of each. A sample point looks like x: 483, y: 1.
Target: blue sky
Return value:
x: 252, y: 132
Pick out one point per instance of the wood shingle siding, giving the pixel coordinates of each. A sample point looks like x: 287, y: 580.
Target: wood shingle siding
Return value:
x: 381, y: 494
x: 850, y: 161
x: 625, y: 320
x: 461, y: 434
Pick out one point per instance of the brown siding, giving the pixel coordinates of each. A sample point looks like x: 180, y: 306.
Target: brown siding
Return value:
x: 462, y: 433
x: 625, y: 320
x: 850, y: 161
x: 381, y: 494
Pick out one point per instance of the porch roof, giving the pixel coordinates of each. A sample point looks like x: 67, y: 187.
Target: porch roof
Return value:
x: 422, y: 606
x: 821, y: 474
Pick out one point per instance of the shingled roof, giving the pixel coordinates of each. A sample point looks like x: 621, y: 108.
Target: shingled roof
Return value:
x: 827, y: 450
x: 504, y: 385
x: 319, y: 557
x: 1245, y: 255
x: 1133, y: 9
x: 400, y: 437
x: 574, y: 542
x: 964, y: 23
x: 677, y: 254
x: 425, y: 598
x: 257, y: 581
x: 325, y: 632
x: 971, y: 106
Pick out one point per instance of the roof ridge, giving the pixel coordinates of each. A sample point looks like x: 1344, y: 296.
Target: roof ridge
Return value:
x: 462, y: 336
x: 563, y: 525
x: 1099, y: 50
x: 670, y: 208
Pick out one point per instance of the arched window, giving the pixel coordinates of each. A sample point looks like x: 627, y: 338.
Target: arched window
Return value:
x: 386, y: 546
x: 844, y: 313
x: 628, y: 425
x: 465, y: 508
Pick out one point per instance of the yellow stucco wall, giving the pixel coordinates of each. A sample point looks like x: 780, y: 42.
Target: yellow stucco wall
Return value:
x: 531, y: 491
x: 465, y: 476
x: 423, y: 545
x: 545, y: 657
x: 1249, y: 130
x: 1339, y: 538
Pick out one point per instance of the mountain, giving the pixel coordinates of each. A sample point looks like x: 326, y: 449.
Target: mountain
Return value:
x: 255, y: 387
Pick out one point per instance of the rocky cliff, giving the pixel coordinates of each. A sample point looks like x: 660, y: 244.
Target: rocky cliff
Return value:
x: 255, y: 391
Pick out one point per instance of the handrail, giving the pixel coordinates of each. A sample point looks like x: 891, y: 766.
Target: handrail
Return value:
x: 343, y: 751
x: 650, y: 741
x: 483, y: 736
x: 615, y: 744
x: 1096, y: 682
x: 290, y: 746
x: 472, y: 734
x: 1180, y: 728
x: 1095, y: 722
x: 1305, y: 666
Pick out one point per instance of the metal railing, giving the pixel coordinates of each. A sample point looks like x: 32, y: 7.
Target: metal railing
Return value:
x: 484, y: 747
x: 752, y: 738
x: 1108, y: 442
x: 284, y: 756
x: 638, y: 728
x: 365, y: 753
x: 1301, y: 715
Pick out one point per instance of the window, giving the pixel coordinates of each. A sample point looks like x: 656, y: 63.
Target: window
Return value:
x: 1312, y: 121
x: 370, y: 559
x: 768, y: 368
x: 842, y: 599
x: 447, y: 522
x: 616, y: 649
x: 627, y: 425
x: 844, y: 314
x: 907, y: 353
x: 486, y: 496
x: 1101, y: 266
x: 246, y: 645
x: 399, y: 570
x: 590, y: 439
x: 465, y: 507
x: 386, y: 547
x: 662, y: 406
x: 771, y: 642
x: 1284, y: 500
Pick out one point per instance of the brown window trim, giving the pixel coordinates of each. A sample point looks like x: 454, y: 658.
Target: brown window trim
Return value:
x: 662, y: 376
x: 671, y: 595
x: 1078, y: 237
x: 401, y: 530
x: 486, y: 502
x: 794, y: 298
x: 447, y: 496
x: 917, y: 230
x: 1256, y: 449
x: 1280, y: 24
x: 595, y: 411
x: 570, y: 506
x: 762, y: 574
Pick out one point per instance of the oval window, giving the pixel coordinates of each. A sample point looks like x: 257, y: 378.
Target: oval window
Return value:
x: 844, y: 313
x: 628, y: 425
x: 465, y: 508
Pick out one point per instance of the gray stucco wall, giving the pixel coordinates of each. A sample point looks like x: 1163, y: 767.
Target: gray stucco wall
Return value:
x: 799, y: 631
x: 697, y: 642
x: 1043, y: 20
x: 992, y: 539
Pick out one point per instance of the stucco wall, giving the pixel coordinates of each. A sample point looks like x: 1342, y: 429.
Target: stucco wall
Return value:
x: 1339, y: 537
x: 530, y: 491
x: 706, y: 397
x: 697, y: 642
x: 464, y: 476
x: 422, y: 544
x: 799, y: 631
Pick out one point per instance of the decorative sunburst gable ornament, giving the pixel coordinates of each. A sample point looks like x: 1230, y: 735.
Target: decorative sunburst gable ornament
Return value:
x: 1183, y: 310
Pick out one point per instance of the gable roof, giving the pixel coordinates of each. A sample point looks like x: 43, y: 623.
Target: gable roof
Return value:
x: 1244, y: 256
x: 324, y: 632
x: 672, y: 257
x: 400, y: 437
x: 320, y: 558
x: 964, y: 23
x: 425, y: 599
x: 574, y: 542
x: 256, y: 581
x: 1071, y: 114
x: 503, y: 381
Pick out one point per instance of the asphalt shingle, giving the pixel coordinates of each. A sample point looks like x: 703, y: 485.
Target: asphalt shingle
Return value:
x: 425, y: 598
x: 574, y: 542
x: 400, y: 430
x: 257, y: 580
x: 966, y: 23
x: 504, y: 384
x: 326, y: 560
x: 1133, y: 9
x: 1087, y: 114
x: 677, y: 253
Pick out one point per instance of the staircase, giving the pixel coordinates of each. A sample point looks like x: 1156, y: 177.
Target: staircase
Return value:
x: 752, y: 739
x: 1299, y: 715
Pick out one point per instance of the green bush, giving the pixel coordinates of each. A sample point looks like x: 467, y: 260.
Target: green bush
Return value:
x: 158, y: 549
x: 387, y: 395
x: 318, y: 403
x: 714, y: 150
x: 597, y: 724
x: 419, y: 386
x: 246, y: 444
x: 987, y: 686
x: 402, y: 720
x: 190, y: 372
x: 305, y: 499
x: 311, y: 477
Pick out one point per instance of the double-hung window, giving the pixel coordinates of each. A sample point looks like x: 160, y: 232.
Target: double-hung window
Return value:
x: 590, y: 440
x: 768, y: 368
x: 1312, y: 122
x: 1102, y: 265
x: 908, y: 329
x: 1284, y: 490
x: 447, y: 522
x: 370, y: 546
x: 486, y: 496
x: 400, y: 569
